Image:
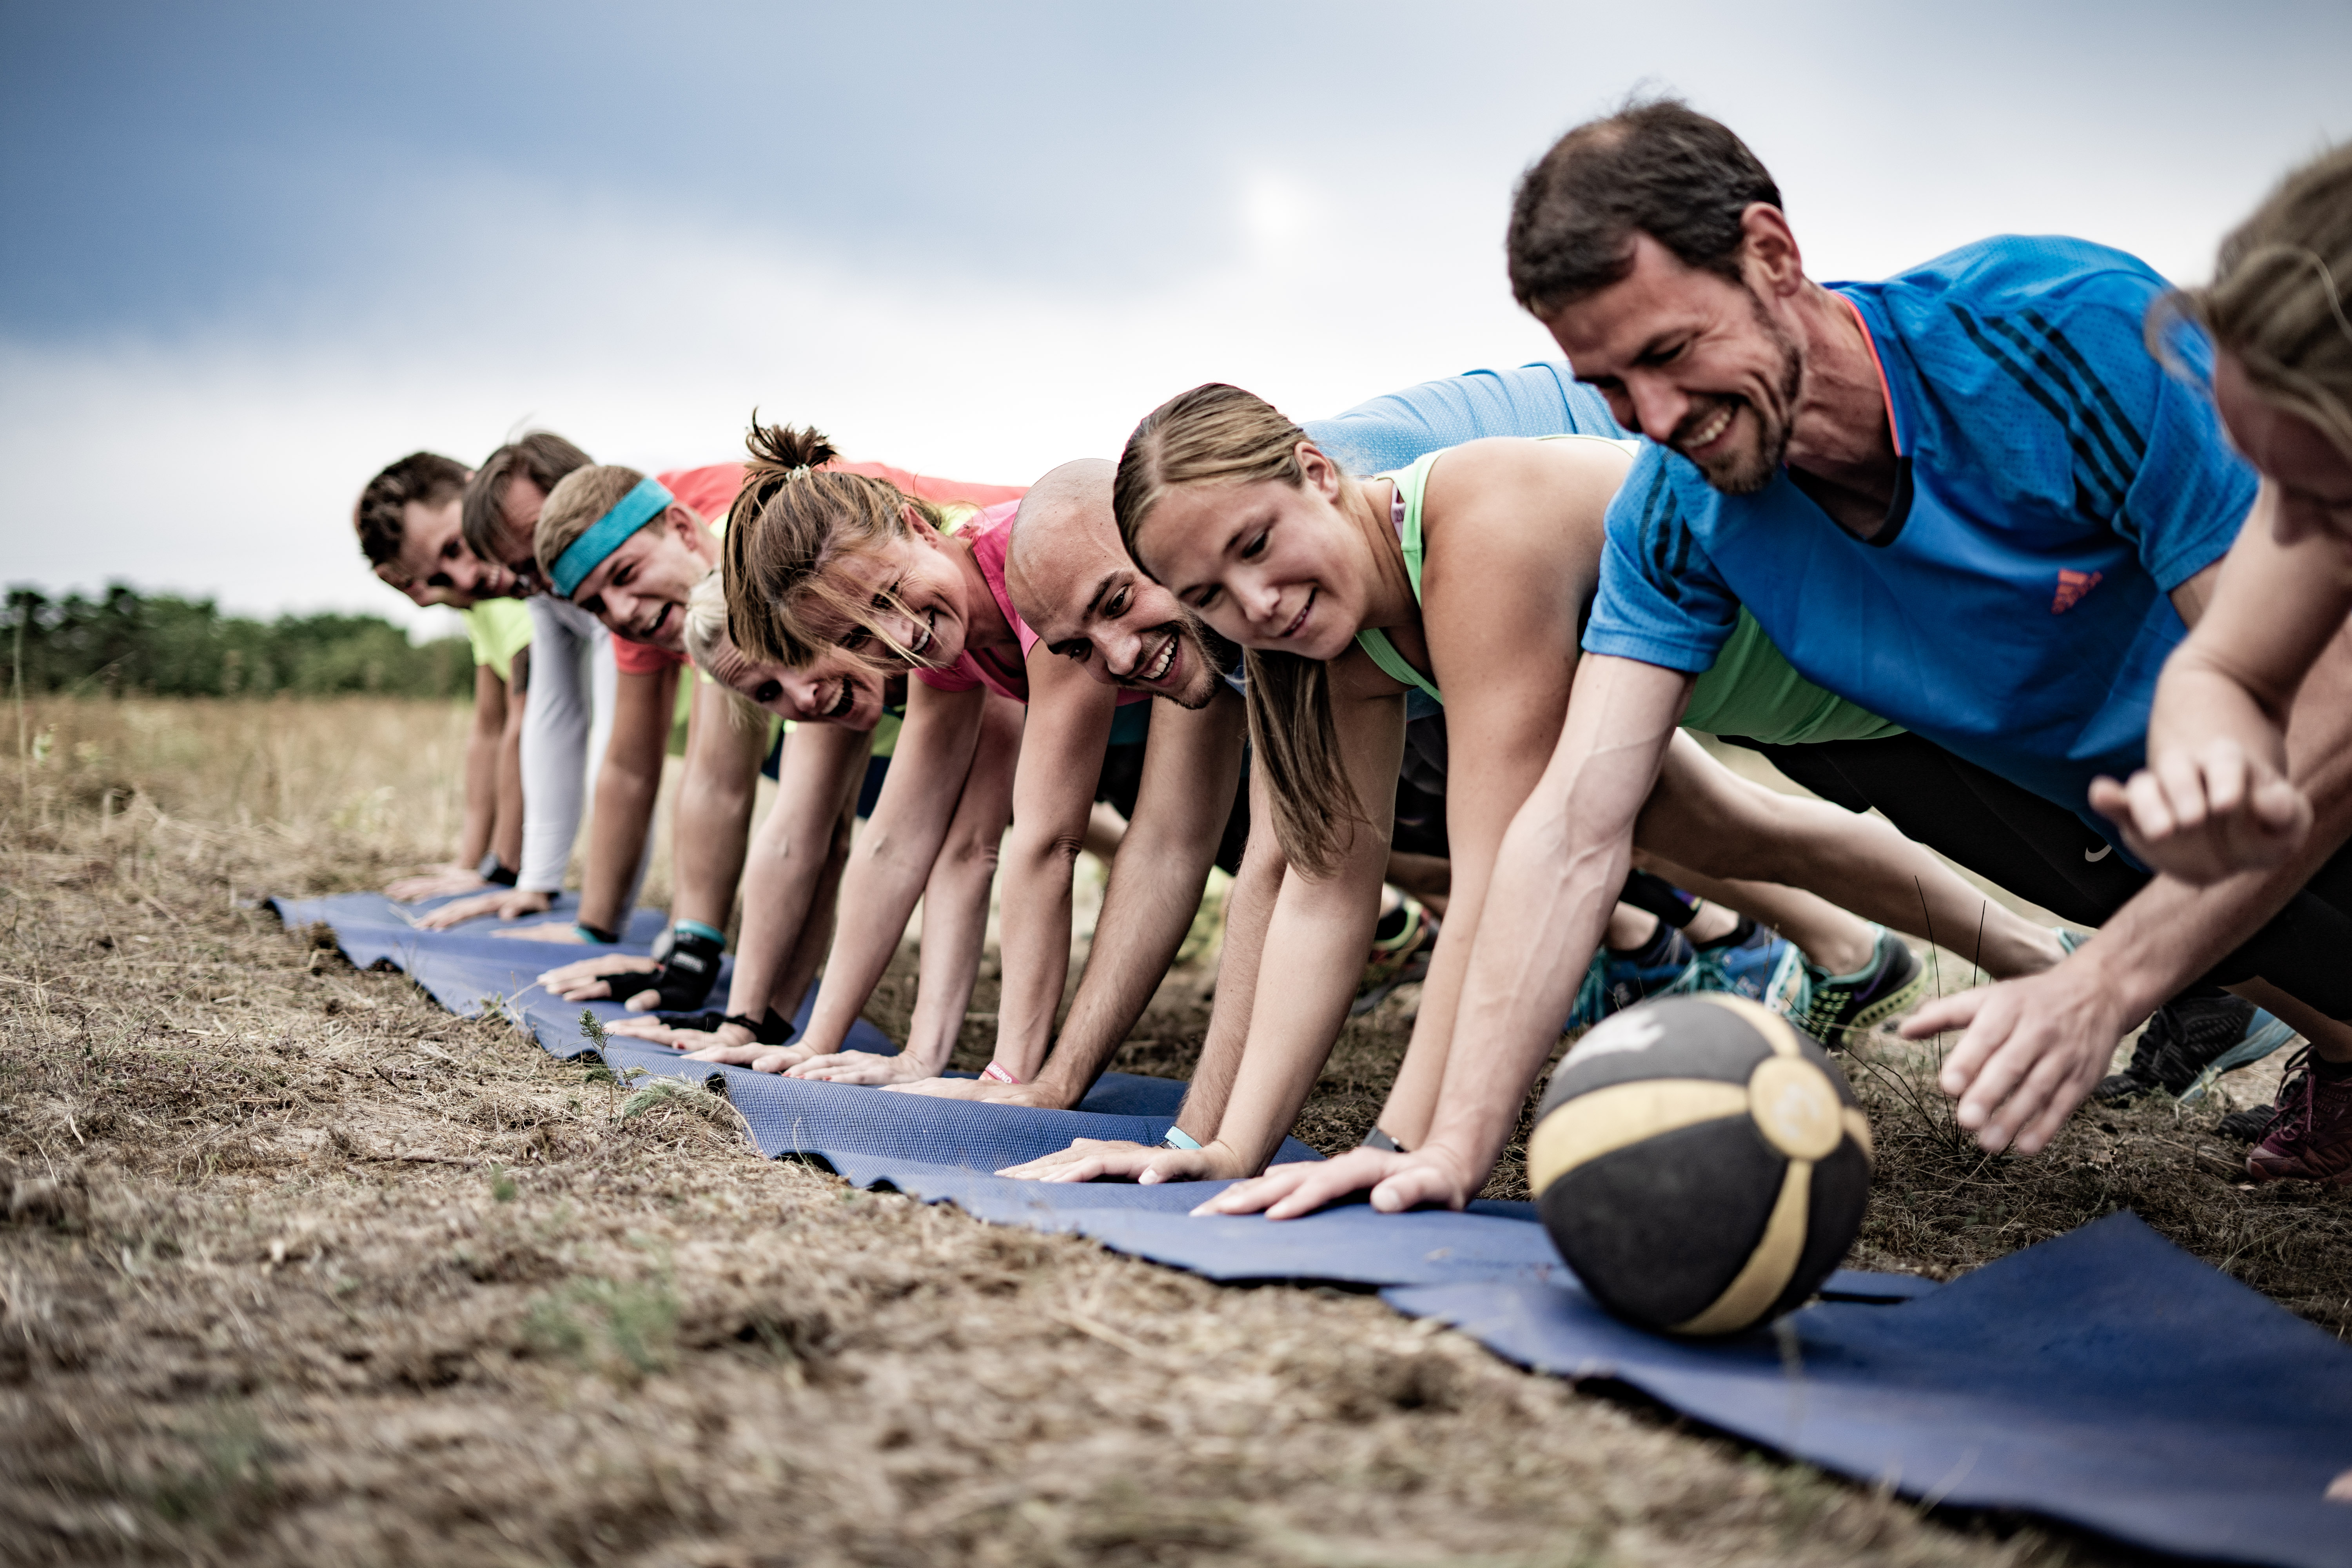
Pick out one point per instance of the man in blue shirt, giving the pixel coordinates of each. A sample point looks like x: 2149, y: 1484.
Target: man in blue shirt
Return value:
x: 1967, y: 499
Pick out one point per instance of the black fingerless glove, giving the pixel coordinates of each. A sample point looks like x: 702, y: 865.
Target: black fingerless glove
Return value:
x: 688, y: 954
x: 775, y: 1029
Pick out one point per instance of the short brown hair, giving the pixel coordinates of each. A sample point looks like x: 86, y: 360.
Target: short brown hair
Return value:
x: 542, y: 455
x: 789, y: 522
x: 425, y: 478
x: 2281, y: 300
x: 1221, y: 435
x: 1656, y: 167
x: 575, y: 504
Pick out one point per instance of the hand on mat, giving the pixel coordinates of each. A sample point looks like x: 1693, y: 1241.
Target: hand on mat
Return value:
x: 863, y: 1066
x: 1114, y: 1159
x: 433, y: 882
x: 983, y: 1092
x: 589, y: 979
x: 678, y: 1039
x: 2032, y: 1050
x: 755, y: 1056
x: 2208, y: 813
x: 504, y: 903
x: 545, y: 930
x: 1397, y: 1181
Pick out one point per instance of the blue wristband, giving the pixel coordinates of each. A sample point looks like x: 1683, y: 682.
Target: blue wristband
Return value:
x: 591, y: 934
x: 696, y: 928
x: 1176, y: 1138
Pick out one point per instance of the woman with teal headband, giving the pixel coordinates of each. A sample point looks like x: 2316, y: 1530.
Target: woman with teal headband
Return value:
x: 632, y: 550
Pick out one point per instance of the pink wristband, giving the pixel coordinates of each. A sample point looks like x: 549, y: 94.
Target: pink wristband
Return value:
x: 992, y: 1073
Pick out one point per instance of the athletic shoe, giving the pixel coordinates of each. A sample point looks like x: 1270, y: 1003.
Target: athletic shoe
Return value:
x: 1756, y: 963
x: 1615, y: 981
x: 2311, y: 1139
x: 1397, y: 960
x: 1844, y: 1006
x: 2249, y: 1126
x: 2188, y: 1035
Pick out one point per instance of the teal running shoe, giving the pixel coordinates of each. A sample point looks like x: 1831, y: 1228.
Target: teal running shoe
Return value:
x: 1844, y: 1006
x: 1615, y: 981
x: 1757, y: 964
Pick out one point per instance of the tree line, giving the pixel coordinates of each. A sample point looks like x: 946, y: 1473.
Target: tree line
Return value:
x: 127, y: 643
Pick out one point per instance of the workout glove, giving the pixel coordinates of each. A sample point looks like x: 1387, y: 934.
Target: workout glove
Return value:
x: 775, y: 1029
x: 688, y: 955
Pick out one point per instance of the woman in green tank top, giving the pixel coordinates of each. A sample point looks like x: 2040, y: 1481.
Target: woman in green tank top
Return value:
x: 1463, y: 579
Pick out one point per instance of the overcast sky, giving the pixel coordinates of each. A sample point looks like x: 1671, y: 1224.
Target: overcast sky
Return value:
x: 252, y: 252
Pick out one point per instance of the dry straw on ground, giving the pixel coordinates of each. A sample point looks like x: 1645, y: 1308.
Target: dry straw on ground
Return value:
x: 298, y: 1268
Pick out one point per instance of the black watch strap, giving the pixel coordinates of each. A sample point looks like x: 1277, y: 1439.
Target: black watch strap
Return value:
x: 1376, y: 1138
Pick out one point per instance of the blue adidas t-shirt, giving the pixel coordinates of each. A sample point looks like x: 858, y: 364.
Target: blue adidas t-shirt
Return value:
x: 2056, y: 483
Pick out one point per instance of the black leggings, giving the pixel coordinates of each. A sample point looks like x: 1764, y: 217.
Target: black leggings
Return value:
x: 2044, y: 852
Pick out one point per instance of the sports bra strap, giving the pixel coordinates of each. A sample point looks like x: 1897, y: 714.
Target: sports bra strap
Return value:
x: 1375, y: 642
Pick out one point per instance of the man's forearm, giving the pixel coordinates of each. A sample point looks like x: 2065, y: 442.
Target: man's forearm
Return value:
x: 711, y: 828
x: 617, y: 842
x: 1035, y: 936
x: 481, y: 794
x: 1154, y: 895
x: 505, y: 836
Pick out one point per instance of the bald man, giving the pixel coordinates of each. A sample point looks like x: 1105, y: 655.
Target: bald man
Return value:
x: 1072, y: 583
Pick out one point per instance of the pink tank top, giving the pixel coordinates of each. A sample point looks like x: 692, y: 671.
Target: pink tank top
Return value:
x: 990, y: 534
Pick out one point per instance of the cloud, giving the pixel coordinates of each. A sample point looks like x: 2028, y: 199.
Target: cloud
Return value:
x: 225, y: 462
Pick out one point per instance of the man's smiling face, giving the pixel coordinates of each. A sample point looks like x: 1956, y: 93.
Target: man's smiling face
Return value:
x: 435, y: 567
x: 640, y: 590
x: 1096, y: 607
x: 1692, y: 360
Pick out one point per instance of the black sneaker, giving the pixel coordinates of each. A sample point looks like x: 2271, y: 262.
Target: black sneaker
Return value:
x: 2249, y: 1126
x: 2254, y: 1124
x: 1841, y: 1008
x: 2188, y: 1035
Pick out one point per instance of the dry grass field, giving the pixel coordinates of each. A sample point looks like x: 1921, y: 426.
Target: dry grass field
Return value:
x: 298, y: 1269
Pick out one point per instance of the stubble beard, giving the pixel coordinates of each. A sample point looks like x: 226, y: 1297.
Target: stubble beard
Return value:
x: 1746, y: 472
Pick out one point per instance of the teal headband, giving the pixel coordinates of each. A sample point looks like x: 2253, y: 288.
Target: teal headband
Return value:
x: 587, y: 552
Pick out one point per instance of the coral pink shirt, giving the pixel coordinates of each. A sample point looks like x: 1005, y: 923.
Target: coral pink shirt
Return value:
x: 990, y: 535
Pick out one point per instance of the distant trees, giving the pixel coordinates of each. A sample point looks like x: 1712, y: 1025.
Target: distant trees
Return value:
x: 161, y: 644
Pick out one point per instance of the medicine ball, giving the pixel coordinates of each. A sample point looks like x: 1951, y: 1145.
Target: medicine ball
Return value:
x: 1699, y: 1163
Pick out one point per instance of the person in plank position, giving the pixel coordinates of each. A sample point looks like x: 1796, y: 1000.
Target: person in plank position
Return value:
x: 567, y: 726
x: 839, y: 730
x: 2229, y: 791
x: 407, y: 523
x: 1877, y: 474
x: 1470, y: 568
x: 822, y: 563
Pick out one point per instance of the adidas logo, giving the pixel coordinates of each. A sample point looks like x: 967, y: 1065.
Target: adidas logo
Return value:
x: 2072, y: 586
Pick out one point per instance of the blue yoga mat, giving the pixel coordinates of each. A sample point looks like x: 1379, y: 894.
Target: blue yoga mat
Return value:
x: 468, y: 969
x: 1347, y: 1243
x: 2105, y: 1378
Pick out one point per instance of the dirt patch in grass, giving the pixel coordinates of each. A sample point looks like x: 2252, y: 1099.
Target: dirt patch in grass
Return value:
x: 298, y: 1268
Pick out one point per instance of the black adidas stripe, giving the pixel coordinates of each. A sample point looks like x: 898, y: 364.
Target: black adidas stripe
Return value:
x: 1659, y: 519
x: 2102, y: 475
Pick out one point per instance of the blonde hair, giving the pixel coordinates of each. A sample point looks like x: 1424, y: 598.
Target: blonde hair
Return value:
x: 705, y: 622
x: 2281, y: 300
x: 1221, y: 435
x: 572, y: 507
x: 791, y: 524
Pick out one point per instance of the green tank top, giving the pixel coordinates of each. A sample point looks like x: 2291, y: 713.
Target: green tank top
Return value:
x: 1751, y: 691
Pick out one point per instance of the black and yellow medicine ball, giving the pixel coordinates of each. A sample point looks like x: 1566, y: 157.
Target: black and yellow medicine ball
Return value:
x: 1699, y: 1163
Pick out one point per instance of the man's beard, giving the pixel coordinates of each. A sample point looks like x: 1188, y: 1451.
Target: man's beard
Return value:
x: 1209, y: 655
x: 1737, y: 473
